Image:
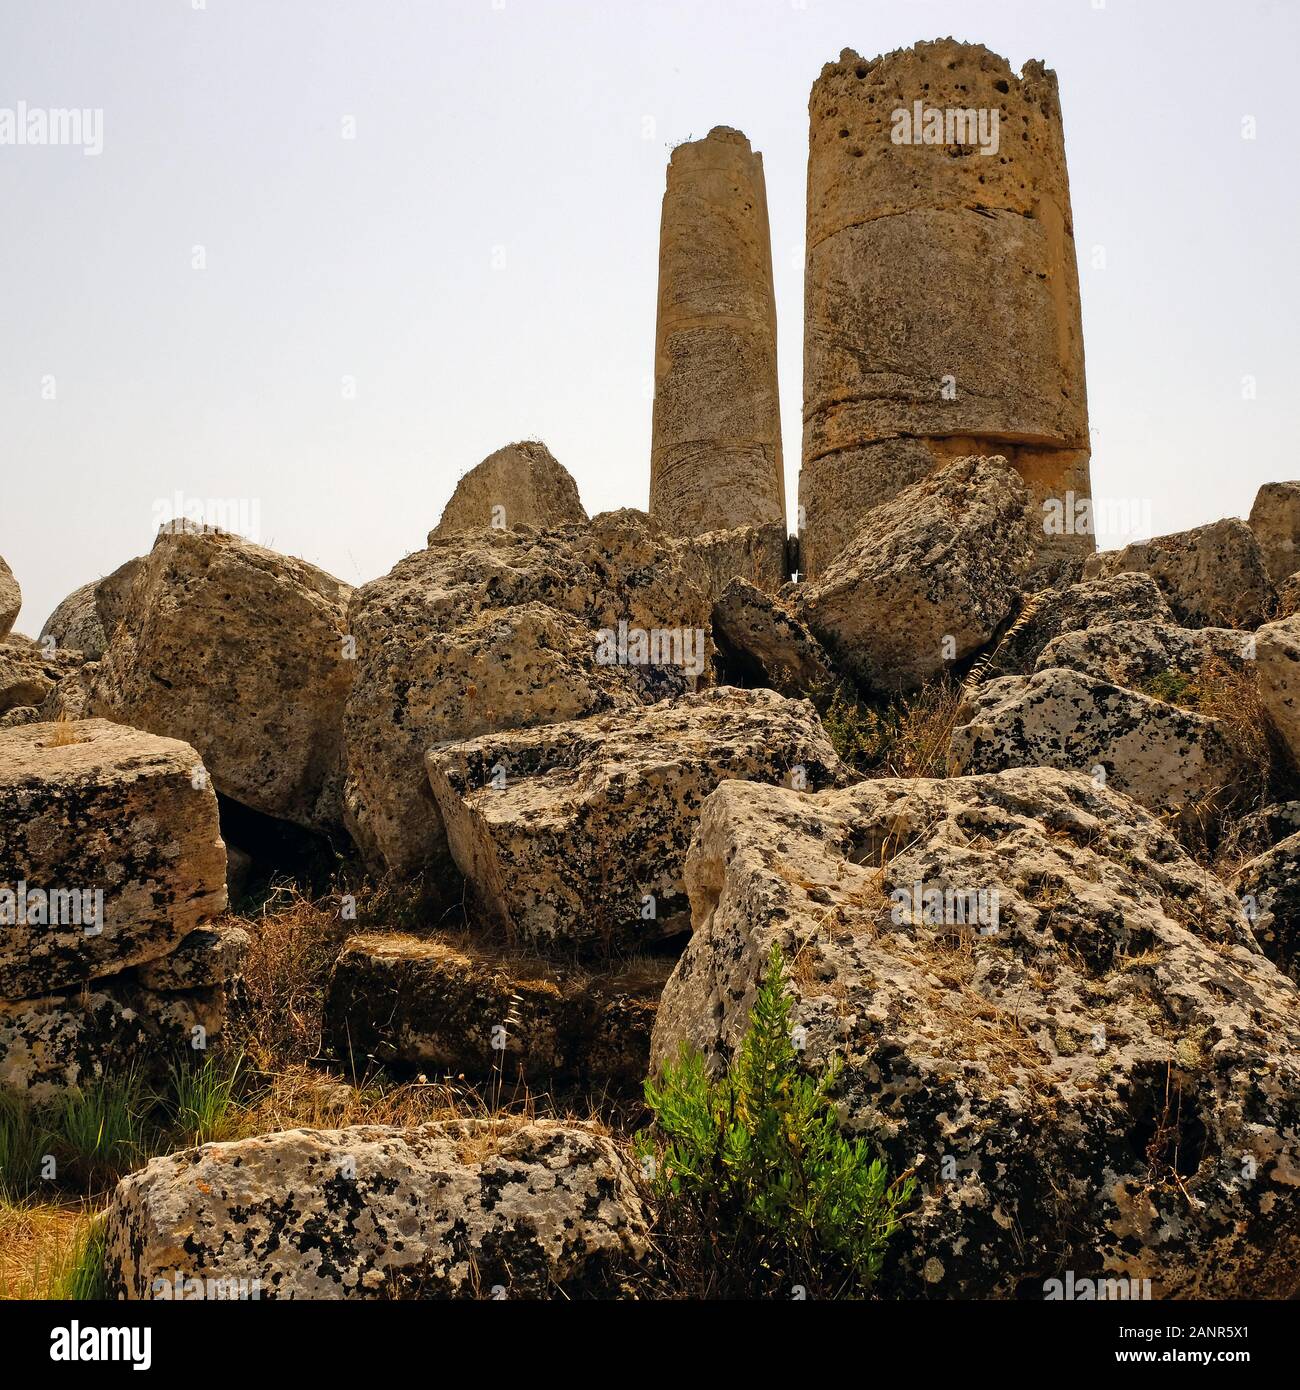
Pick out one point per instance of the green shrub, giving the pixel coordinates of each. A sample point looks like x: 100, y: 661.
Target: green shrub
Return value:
x: 756, y: 1184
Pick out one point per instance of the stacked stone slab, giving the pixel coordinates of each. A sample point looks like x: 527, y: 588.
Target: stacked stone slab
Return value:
x: 941, y: 290
x: 716, y: 452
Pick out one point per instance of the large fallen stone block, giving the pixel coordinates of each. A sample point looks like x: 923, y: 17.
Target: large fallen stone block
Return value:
x: 454, y: 1007
x: 1163, y: 756
x: 469, y: 1209
x: 1144, y: 654
x: 1040, y: 1004
x: 1212, y: 576
x: 928, y: 578
x: 760, y: 638
x: 110, y: 852
x: 1277, y: 659
x: 11, y: 599
x: 502, y: 630
x: 576, y: 833
x: 29, y: 676
x: 89, y: 616
x: 755, y: 554
x: 520, y: 485
x: 1269, y: 888
x: 245, y: 654
x: 1275, y: 520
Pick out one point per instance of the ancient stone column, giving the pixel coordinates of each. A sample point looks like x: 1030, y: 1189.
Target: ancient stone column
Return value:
x: 715, y: 459
x: 941, y: 290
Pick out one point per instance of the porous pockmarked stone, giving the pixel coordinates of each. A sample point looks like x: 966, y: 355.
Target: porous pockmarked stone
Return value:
x: 461, y: 1209
x: 88, y: 617
x: 106, y: 823
x: 1041, y: 1006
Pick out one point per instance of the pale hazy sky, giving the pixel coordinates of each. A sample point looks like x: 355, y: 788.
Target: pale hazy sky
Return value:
x: 481, y: 258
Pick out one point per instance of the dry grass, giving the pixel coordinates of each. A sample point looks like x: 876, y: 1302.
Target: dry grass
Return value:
x: 39, y: 1245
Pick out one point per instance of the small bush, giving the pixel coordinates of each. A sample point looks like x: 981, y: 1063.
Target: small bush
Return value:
x: 758, y: 1188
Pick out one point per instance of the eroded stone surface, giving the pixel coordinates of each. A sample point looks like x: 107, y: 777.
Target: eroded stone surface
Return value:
x: 453, y: 1210
x: 520, y: 485
x: 11, y: 599
x: 1269, y: 887
x: 1277, y: 659
x: 1275, y: 520
x: 1212, y: 576
x: 243, y: 653
x: 1083, y: 1089
x: 928, y: 578
x: 89, y: 616
x: 1143, y: 654
x: 446, y: 1006
x: 577, y: 833
x: 761, y: 638
x: 503, y: 630
x: 715, y: 457
x: 90, y: 807
x: 1161, y: 755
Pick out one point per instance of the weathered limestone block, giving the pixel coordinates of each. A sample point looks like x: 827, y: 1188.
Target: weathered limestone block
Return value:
x: 1081, y: 1088
x: 1277, y: 659
x: 451, y: 1006
x: 1212, y: 576
x: 758, y: 636
x: 1269, y: 889
x: 449, y: 1210
x: 210, y: 955
x: 28, y: 676
x: 11, y: 599
x: 1122, y: 598
x: 941, y: 290
x: 1260, y: 830
x: 576, y: 834
x: 1275, y: 520
x: 520, y: 485
x: 244, y: 654
x: 756, y: 554
x: 64, y: 1041
x: 91, y: 808
x: 501, y: 630
x: 716, y: 454
x: 88, y: 617
x: 1143, y: 654
x: 929, y: 577
x: 1162, y: 756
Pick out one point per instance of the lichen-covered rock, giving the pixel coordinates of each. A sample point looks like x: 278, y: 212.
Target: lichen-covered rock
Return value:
x: 1049, y: 614
x: 463, y: 1209
x: 65, y: 1041
x: 1288, y: 596
x: 929, y: 577
x: 1163, y: 756
x: 502, y: 630
x: 1277, y: 659
x: 1275, y: 520
x: 576, y: 833
x: 1212, y: 576
x: 210, y: 955
x: 1142, y: 654
x: 1269, y: 888
x: 113, y: 833
x: 1260, y: 830
x: 89, y: 616
x: 11, y: 599
x: 760, y: 639
x: 447, y: 1006
x: 756, y: 554
x: 1041, y: 1004
x: 243, y: 653
x: 520, y: 485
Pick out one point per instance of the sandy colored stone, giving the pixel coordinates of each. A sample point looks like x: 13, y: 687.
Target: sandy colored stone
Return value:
x: 1164, y: 757
x: 452, y: 1210
x: 501, y: 630
x: 1269, y: 889
x: 1277, y: 659
x: 520, y: 485
x: 1108, y: 1083
x: 1275, y: 520
x: 243, y: 653
x: 88, y: 806
x: 88, y: 617
x: 29, y: 675
x: 929, y: 577
x: 716, y: 453
x: 1212, y: 576
x: 576, y: 834
x: 212, y: 954
x: 11, y: 599
x: 756, y: 554
x: 451, y: 1006
x: 760, y: 639
x: 941, y: 289
x: 1136, y: 654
